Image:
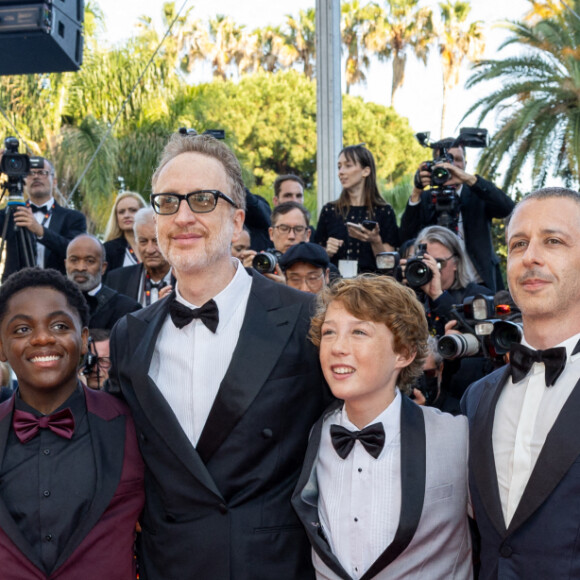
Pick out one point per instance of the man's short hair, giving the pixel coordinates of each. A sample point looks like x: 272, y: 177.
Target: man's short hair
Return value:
x: 546, y: 193
x: 99, y: 334
x: 287, y: 207
x: 210, y: 147
x: 146, y: 215
x: 44, y: 278
x: 288, y: 177
x: 95, y: 239
x: 381, y: 299
x: 447, y: 143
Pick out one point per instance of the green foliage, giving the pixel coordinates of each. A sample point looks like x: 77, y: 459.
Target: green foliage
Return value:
x: 538, y: 103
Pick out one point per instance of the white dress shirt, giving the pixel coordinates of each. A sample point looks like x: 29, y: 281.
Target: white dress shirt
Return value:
x: 39, y: 217
x: 524, y: 415
x: 189, y: 364
x: 360, y: 497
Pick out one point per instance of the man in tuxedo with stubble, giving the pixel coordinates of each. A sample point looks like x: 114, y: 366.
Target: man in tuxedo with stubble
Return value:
x: 524, y: 418
x: 223, y: 384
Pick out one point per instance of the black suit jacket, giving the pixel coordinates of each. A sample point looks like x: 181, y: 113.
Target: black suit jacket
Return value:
x: 126, y: 280
x: 222, y: 510
x: 479, y: 204
x: 541, y: 540
x: 107, y: 306
x: 115, y: 253
x: 65, y: 224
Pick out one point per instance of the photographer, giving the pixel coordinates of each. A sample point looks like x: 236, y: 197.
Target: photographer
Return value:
x: 50, y: 226
x: 479, y: 202
x: 450, y: 282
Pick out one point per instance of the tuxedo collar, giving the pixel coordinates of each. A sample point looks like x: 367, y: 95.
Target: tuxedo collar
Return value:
x: 413, y: 473
x: 559, y: 452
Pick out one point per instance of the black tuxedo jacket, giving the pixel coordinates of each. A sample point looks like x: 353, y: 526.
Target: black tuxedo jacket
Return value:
x: 542, y: 538
x: 115, y: 253
x: 222, y: 510
x: 478, y: 205
x: 107, y: 306
x: 65, y: 224
x: 127, y: 280
x: 102, y: 545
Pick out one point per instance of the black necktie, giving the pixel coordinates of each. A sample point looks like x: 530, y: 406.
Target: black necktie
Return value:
x: 522, y: 358
x: 371, y: 437
x: 41, y: 209
x: 181, y: 315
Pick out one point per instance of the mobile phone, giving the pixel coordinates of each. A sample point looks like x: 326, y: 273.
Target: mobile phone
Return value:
x: 369, y: 224
x: 353, y: 225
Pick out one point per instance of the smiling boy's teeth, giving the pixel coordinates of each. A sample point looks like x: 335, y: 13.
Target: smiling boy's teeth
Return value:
x: 343, y: 370
x: 44, y: 358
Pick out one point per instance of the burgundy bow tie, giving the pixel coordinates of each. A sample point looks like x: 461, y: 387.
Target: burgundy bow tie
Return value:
x: 26, y: 425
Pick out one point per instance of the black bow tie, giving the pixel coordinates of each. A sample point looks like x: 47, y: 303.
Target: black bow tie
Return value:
x: 522, y: 358
x: 41, y: 209
x: 371, y: 437
x: 181, y: 315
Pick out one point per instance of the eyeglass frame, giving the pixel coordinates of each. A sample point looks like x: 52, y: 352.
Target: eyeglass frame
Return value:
x: 442, y: 262
x: 185, y: 197
x: 308, y: 282
x: 290, y: 228
x: 40, y: 172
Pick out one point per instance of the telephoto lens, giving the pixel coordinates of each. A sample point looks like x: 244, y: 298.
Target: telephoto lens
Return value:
x: 453, y: 346
x: 265, y: 262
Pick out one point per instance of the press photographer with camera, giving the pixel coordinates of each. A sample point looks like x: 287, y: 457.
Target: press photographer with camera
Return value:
x: 445, y: 194
x: 38, y: 229
x: 440, y: 271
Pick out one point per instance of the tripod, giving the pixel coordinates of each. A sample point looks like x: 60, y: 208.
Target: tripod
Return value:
x: 24, y: 245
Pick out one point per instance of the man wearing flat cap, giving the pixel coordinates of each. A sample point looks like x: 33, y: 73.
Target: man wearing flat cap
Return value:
x: 306, y: 267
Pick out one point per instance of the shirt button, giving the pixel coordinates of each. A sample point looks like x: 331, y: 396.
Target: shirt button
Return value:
x: 46, y: 451
x: 356, y: 519
x: 360, y: 469
x: 48, y: 537
x: 46, y: 493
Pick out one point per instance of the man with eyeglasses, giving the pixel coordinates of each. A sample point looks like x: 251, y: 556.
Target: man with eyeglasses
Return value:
x: 51, y: 226
x: 306, y: 267
x: 223, y: 384
x: 98, y: 373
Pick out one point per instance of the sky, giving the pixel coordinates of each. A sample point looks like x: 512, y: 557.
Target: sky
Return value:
x: 420, y: 98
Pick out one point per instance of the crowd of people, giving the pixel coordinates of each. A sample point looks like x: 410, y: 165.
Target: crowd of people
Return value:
x: 218, y: 390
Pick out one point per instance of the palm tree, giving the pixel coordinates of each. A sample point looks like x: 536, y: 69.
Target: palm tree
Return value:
x: 300, y: 40
x: 458, y: 40
x: 538, y: 103
x: 405, y: 28
x: 355, y: 26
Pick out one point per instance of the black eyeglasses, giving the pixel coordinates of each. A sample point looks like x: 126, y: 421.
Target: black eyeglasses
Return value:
x: 286, y: 229
x: 201, y: 201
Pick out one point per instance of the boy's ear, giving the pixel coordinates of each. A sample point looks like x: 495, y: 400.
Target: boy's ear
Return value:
x: 404, y: 359
x: 3, y: 357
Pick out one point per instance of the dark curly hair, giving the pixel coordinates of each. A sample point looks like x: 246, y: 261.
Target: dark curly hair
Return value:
x: 44, y: 278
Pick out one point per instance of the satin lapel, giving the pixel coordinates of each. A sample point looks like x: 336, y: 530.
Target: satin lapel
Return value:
x: 265, y: 331
x: 108, y: 442
x: 305, y: 499
x: 560, y: 450
x: 142, y: 337
x: 413, y: 472
x: 7, y: 523
x: 481, y: 458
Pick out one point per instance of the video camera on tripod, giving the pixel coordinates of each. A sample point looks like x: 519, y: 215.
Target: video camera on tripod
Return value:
x: 443, y: 196
x: 16, y: 166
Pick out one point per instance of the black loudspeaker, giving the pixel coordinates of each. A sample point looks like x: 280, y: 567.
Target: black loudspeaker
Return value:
x: 40, y: 37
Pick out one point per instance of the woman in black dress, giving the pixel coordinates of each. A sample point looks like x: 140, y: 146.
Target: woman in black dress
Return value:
x: 340, y: 225
x: 119, y: 236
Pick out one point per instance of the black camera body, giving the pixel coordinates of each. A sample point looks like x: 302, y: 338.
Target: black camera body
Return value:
x: 444, y: 198
x: 16, y: 166
x: 417, y: 271
x: 266, y: 262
